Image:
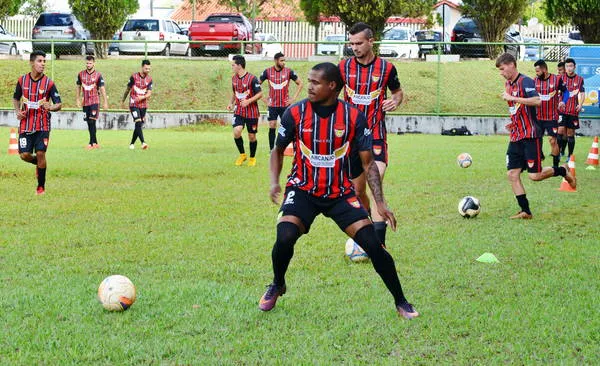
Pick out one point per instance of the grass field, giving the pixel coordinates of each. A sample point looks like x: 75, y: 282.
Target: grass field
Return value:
x: 194, y: 233
x: 181, y: 84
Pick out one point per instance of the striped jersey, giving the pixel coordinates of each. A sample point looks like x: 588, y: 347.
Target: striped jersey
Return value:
x: 550, y: 90
x: 245, y: 87
x: 90, y: 82
x: 139, y: 85
x: 32, y: 93
x: 366, y: 89
x: 575, y: 86
x: 523, y: 118
x: 325, y: 139
x: 279, y: 85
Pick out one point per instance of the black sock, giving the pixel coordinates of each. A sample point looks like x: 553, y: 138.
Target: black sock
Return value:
x: 571, y: 143
x: 253, y: 145
x: 239, y: 142
x: 140, y: 133
x: 92, y: 130
x: 559, y: 171
x: 523, y: 203
x: 562, y: 143
x: 34, y: 160
x: 380, y: 228
x: 382, y: 261
x: 271, y: 138
x: 542, y: 156
x: 283, y: 250
x: 134, y: 136
x: 41, y: 177
x: 555, y: 160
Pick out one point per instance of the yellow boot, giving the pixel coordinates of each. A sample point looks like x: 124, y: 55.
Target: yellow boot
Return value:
x: 240, y: 159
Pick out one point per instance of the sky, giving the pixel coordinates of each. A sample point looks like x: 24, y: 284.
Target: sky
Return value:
x: 144, y: 10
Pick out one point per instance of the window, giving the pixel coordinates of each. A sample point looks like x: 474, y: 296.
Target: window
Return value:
x: 54, y: 20
x: 141, y: 25
x: 396, y: 35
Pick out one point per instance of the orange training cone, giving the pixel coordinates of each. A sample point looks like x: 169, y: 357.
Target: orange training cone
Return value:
x: 592, y: 159
x: 13, y: 148
x: 289, y: 150
x: 564, y: 185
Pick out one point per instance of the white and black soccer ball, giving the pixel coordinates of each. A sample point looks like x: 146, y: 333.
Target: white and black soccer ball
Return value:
x: 116, y: 293
x: 464, y: 160
x: 469, y: 207
x: 354, y: 252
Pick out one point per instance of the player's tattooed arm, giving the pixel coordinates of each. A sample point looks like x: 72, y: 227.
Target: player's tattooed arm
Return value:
x: 374, y: 181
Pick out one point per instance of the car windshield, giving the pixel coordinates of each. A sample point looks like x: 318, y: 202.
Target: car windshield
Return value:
x: 224, y: 19
x: 428, y: 36
x: 396, y: 35
x: 145, y: 25
x: 54, y: 20
x: 335, y: 38
x: 575, y: 35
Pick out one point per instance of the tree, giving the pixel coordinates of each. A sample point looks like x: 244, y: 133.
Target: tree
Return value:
x: 103, y: 18
x: 494, y: 18
x: 584, y: 14
x: 33, y: 7
x: 312, y: 14
x: 9, y: 7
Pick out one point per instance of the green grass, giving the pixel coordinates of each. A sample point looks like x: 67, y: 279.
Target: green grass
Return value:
x: 194, y: 233
x: 180, y: 84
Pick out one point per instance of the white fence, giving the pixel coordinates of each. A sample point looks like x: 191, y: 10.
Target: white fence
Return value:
x: 19, y: 25
x: 547, y: 33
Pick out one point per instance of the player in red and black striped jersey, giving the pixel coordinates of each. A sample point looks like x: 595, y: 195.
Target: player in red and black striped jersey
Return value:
x: 524, y: 147
x: 570, y: 119
x: 246, y: 93
x: 553, y: 95
x: 31, y: 102
x: 327, y: 133
x: 367, y: 78
x: 279, y: 78
x: 90, y: 83
x: 139, y: 90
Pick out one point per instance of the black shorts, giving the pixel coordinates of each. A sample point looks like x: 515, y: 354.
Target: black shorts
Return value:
x: 138, y: 114
x: 35, y: 140
x: 569, y: 121
x: 550, y: 127
x: 525, y: 155
x: 275, y: 112
x: 345, y: 210
x: 380, y: 153
x: 91, y: 112
x: 250, y: 123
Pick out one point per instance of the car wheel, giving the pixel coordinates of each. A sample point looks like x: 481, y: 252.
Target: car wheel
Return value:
x: 167, y: 51
x: 188, y: 52
x: 13, y: 50
x: 83, y: 49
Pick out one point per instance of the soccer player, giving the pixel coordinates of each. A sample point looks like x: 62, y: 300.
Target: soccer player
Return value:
x: 366, y: 79
x: 560, y: 68
x: 89, y: 83
x: 139, y: 90
x: 246, y: 93
x: 524, y: 146
x: 279, y: 78
x: 326, y: 133
x: 31, y: 102
x: 550, y: 89
x: 570, y: 119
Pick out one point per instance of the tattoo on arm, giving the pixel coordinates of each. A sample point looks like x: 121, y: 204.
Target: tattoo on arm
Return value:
x: 375, y: 182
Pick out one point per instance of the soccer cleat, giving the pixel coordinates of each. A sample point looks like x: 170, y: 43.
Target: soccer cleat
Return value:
x: 40, y: 191
x: 240, y: 159
x: 144, y: 146
x: 89, y: 147
x: 268, y: 300
x: 572, y: 180
x: 96, y: 146
x: 252, y: 162
x: 407, y: 311
x: 131, y: 147
x: 522, y: 215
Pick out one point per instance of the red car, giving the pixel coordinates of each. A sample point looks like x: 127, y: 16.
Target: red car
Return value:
x: 224, y: 29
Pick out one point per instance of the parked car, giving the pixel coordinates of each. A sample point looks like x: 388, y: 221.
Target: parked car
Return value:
x: 13, y: 45
x: 224, y: 27
x: 388, y: 47
x: 63, y: 29
x: 332, y: 48
x: 532, y: 50
x: 574, y: 37
x: 431, y: 36
x: 466, y: 30
x: 173, y: 41
x: 270, y: 45
x: 114, y: 46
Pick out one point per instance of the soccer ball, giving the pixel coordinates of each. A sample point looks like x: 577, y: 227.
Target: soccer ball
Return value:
x: 116, y: 293
x: 469, y: 207
x: 355, y: 252
x: 464, y: 160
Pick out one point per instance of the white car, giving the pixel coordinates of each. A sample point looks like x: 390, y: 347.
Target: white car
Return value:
x: 389, y: 48
x: 13, y: 45
x: 270, y: 45
x: 574, y: 37
x: 173, y: 41
x: 332, y: 48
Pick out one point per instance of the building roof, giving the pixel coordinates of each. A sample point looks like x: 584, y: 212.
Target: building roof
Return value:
x: 451, y: 4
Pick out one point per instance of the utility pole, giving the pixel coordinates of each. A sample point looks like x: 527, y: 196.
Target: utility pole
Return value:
x: 193, y: 10
x: 151, y: 8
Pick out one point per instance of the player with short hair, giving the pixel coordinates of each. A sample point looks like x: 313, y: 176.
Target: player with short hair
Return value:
x: 367, y: 78
x: 550, y: 89
x: 570, y: 119
x: 139, y: 90
x: 560, y: 68
x: 90, y: 83
x: 524, y: 146
x: 246, y: 93
x: 31, y: 102
x: 327, y: 133
x: 279, y: 78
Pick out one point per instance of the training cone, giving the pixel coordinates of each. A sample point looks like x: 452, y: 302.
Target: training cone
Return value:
x: 13, y: 148
x: 487, y: 258
x: 592, y: 159
x: 289, y: 150
x: 564, y: 185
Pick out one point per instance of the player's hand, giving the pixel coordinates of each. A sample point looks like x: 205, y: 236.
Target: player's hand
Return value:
x: 123, y: 104
x: 274, y: 193
x: 508, y: 127
x: 579, y: 108
x: 387, y: 215
x: 561, y: 106
x: 288, y: 101
x: 139, y: 99
x: 45, y: 104
x: 507, y: 97
x: 389, y: 105
x: 244, y: 103
x: 229, y: 107
x: 21, y: 115
x: 105, y: 106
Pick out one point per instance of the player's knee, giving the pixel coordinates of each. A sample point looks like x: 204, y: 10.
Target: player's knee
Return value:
x: 287, y: 233
x: 535, y: 176
x: 252, y: 137
x: 512, y: 175
x: 25, y: 156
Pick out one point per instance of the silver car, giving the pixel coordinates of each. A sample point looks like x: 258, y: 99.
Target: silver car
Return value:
x: 13, y: 45
x: 63, y: 30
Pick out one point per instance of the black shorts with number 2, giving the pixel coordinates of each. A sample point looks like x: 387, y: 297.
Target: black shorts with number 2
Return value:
x: 525, y: 155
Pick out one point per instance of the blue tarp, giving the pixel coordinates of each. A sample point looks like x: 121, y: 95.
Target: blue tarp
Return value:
x: 588, y: 67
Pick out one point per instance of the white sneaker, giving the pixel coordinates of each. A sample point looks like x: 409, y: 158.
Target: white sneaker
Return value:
x: 131, y: 147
